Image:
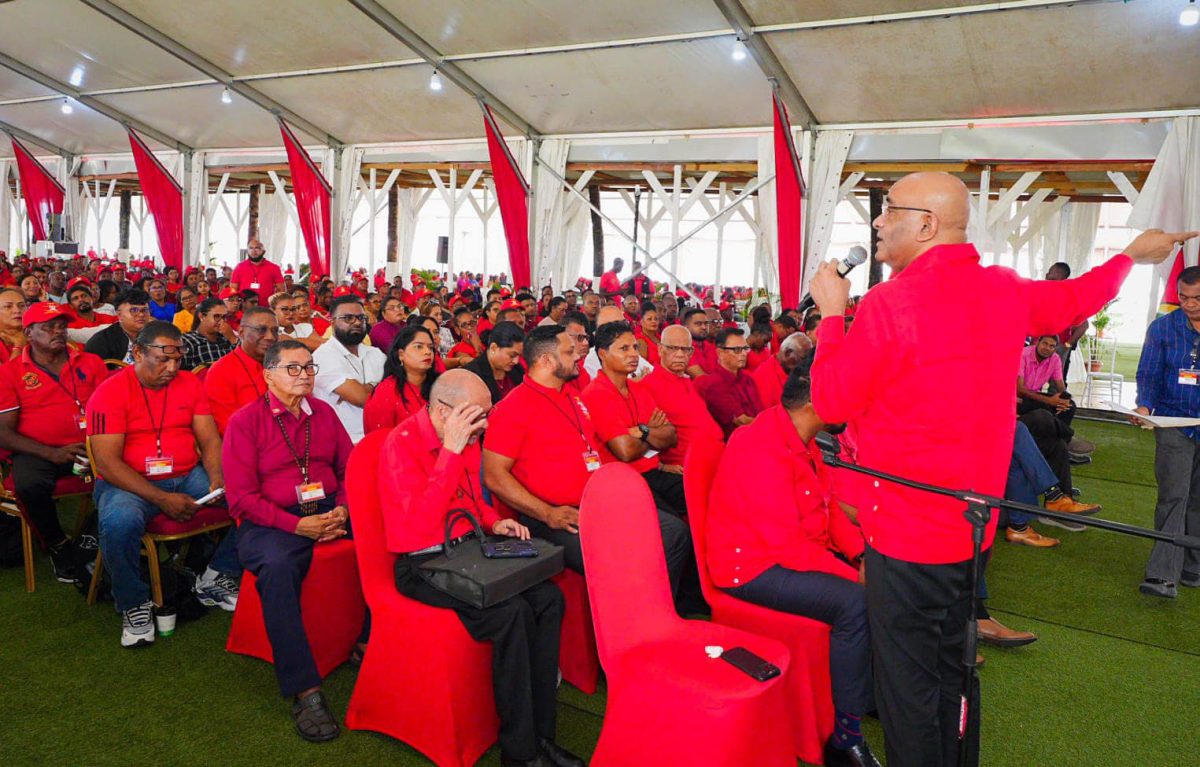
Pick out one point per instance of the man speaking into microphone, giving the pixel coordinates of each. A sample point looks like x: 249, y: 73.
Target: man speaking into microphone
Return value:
x: 941, y: 317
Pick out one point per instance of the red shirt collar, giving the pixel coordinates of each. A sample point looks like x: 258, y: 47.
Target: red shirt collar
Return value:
x: 426, y: 434
x: 27, y: 359
x: 940, y: 255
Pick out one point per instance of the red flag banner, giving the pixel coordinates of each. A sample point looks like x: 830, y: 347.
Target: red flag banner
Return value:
x: 512, y: 193
x: 789, y: 213
x: 1170, y: 296
x: 312, y: 193
x: 43, y: 194
x: 164, y: 197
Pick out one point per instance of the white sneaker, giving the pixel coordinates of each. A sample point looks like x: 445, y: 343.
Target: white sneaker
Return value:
x: 213, y: 590
x: 137, y: 626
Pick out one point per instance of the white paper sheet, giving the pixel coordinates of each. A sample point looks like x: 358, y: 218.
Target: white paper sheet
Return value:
x: 1158, y: 421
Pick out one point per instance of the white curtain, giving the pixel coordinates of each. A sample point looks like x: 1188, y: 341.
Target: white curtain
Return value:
x: 273, y: 223
x: 824, y: 192
x: 196, y: 213
x: 1079, y: 239
x: 410, y: 202
x: 6, y: 208
x: 767, y: 254
x: 1170, y: 199
x: 547, y: 251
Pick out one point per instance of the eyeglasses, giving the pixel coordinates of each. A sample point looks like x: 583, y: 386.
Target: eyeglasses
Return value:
x: 136, y: 310
x: 262, y: 329
x: 888, y: 207
x: 219, y: 317
x: 352, y: 319
x: 295, y: 369
x: 735, y: 349
x: 685, y: 349
x: 577, y: 337
x: 285, y: 309
x: 169, y: 350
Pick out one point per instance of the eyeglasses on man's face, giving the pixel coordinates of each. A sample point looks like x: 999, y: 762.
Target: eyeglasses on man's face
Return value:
x: 294, y: 369
x: 735, y: 349
x: 351, y: 319
x: 170, y: 351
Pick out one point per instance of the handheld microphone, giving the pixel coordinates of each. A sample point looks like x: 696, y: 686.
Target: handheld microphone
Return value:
x: 856, y: 256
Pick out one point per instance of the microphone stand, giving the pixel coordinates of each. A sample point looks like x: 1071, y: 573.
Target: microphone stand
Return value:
x: 978, y: 513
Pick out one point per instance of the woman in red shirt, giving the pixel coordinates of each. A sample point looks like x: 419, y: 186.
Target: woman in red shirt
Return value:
x: 408, y: 375
x: 646, y: 333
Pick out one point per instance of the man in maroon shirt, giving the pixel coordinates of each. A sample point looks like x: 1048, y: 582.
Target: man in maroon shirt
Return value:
x: 918, y: 545
x: 729, y: 391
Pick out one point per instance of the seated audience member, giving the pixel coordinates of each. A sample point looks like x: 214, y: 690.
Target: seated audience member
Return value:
x: 236, y: 379
x: 307, y: 314
x: 783, y: 326
x: 510, y: 311
x: 161, y: 307
x: 276, y: 448
x: 629, y: 310
x: 408, y: 375
x: 469, y: 347
x: 1053, y: 439
x: 115, y: 342
x: 499, y: 366
x: 575, y: 323
x: 208, y: 341
x: 729, y: 392
x: 704, y: 358
x: 529, y: 310
x: 1042, y: 370
x: 790, y: 546
x: 634, y: 430
x: 646, y: 332
x: 808, y: 325
x: 157, y: 450
x: 675, y: 394
x: 233, y: 302
x: 435, y: 330
x: 592, y: 362
x: 349, y: 370
x: 84, y: 320
x: 770, y: 375
x: 430, y: 464
x: 43, y: 395
x: 590, y: 308
x: 542, y: 445
x: 185, y: 315
x: 392, y: 315
x: 556, y: 309
x: 285, y: 308
x: 1030, y: 475
x: 12, y: 333
x: 759, y: 340
x: 488, y: 320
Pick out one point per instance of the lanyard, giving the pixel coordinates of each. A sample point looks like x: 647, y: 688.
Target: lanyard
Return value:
x: 630, y: 402
x: 301, y: 465
x: 73, y: 392
x: 250, y: 375
x: 162, y: 420
x: 1195, y: 352
x: 577, y: 422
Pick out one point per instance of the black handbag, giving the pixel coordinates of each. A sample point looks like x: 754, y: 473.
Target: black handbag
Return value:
x: 465, y: 573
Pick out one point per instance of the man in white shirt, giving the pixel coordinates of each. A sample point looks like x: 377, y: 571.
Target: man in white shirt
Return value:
x: 592, y: 362
x: 349, y: 369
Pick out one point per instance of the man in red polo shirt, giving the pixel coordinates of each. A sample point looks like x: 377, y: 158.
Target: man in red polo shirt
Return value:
x: 918, y: 545
x: 257, y: 273
x: 769, y: 376
x: 157, y: 450
x: 704, y: 358
x: 237, y: 378
x: 576, y: 327
x: 540, y: 473
x: 675, y: 393
x: 610, y: 283
x: 729, y: 391
x: 789, y: 546
x: 43, y: 393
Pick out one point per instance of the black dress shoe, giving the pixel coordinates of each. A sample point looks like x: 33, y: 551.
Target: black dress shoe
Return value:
x: 855, y: 756
x: 557, y: 755
x: 538, y: 761
x: 314, y: 720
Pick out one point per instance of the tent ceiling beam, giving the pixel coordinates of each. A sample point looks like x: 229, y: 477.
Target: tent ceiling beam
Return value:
x: 452, y: 71
x: 193, y: 59
x: 30, y: 138
x: 117, y: 115
x: 928, y: 14
x: 802, y: 115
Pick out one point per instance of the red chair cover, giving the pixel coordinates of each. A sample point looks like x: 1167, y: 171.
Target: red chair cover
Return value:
x: 331, y: 604
x: 578, y: 659
x: 68, y: 485
x: 423, y: 680
x: 668, y: 702
x: 209, y: 515
x: 807, y: 640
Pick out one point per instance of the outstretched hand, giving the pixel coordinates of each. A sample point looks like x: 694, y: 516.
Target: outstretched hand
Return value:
x: 1153, y: 246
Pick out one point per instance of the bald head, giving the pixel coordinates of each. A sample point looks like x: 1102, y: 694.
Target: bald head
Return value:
x: 675, y: 338
x: 457, y: 387
x: 676, y: 335
x: 609, y: 314
x: 922, y: 210
x: 793, y: 349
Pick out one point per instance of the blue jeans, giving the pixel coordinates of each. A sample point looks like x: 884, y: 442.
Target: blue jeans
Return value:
x: 123, y: 518
x: 1028, y: 475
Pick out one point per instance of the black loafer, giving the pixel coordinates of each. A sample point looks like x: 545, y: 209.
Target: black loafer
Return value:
x: 557, y: 755
x: 314, y: 720
x: 855, y: 756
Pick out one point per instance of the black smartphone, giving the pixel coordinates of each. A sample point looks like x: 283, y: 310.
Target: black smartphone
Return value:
x: 746, y: 661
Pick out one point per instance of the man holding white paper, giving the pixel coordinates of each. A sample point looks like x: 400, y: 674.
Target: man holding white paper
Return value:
x: 1168, y: 379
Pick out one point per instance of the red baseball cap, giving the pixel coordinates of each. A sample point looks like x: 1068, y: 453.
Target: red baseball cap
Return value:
x: 78, y: 281
x: 43, y: 311
x: 724, y: 305
x: 342, y: 290
x: 227, y: 293
x: 511, y: 303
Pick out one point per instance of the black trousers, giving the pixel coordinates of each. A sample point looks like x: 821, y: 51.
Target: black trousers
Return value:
x: 524, y: 632
x: 918, y: 616
x: 1065, y: 417
x: 833, y: 600
x: 1052, y: 437
x: 33, y: 481
x: 667, y: 489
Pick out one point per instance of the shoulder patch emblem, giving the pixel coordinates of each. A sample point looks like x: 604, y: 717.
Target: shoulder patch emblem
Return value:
x: 31, y: 380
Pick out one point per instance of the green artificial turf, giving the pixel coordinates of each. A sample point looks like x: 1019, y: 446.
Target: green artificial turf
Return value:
x: 1114, y: 680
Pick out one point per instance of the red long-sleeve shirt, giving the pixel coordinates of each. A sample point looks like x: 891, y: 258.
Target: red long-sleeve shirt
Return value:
x: 769, y: 378
x: 944, y: 319
x: 773, y: 504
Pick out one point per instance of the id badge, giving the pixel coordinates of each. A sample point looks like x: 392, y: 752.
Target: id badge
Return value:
x: 254, y: 286
x: 310, y: 492
x: 591, y: 459
x: 81, y: 422
x: 1189, y: 377
x: 157, y: 467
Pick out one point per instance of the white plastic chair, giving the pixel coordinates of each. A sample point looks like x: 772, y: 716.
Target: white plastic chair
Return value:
x: 1105, y: 350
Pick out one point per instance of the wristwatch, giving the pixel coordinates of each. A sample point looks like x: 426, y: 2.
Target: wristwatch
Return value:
x: 645, y: 430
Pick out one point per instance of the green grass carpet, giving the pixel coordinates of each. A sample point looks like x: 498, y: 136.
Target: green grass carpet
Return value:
x: 1114, y: 680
